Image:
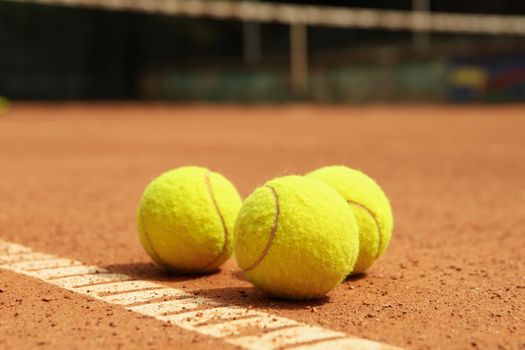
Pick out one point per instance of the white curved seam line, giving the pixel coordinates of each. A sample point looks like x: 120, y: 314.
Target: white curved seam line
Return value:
x: 223, y: 222
x: 272, y: 233
x: 375, y: 221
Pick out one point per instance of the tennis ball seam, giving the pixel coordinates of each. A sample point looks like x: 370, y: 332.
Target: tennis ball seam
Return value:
x: 150, y: 243
x: 272, y: 233
x: 375, y: 221
x: 221, y: 217
x: 157, y: 257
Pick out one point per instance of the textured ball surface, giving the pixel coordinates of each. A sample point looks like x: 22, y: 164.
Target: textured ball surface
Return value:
x: 296, y: 238
x: 371, y: 208
x: 186, y: 217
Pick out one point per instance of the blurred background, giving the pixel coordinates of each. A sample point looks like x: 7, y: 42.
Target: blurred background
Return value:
x: 331, y: 51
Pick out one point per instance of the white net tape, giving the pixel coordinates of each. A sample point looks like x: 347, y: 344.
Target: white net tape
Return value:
x: 312, y: 15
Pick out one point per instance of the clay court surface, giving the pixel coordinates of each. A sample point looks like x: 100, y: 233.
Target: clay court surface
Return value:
x: 453, y: 277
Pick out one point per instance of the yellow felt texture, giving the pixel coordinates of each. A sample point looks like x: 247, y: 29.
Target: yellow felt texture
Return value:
x: 315, y: 242
x: 371, y: 208
x: 186, y: 217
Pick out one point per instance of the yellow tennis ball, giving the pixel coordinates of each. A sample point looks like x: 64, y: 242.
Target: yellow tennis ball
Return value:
x: 186, y: 217
x: 296, y: 238
x: 371, y: 208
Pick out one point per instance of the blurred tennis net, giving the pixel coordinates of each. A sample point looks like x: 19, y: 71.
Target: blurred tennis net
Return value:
x: 311, y: 15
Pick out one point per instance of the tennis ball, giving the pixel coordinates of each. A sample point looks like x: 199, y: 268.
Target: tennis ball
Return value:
x: 296, y: 238
x: 371, y: 208
x: 185, y: 219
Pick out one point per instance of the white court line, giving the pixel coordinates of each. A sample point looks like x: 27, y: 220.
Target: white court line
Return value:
x: 12, y: 248
x: 75, y: 282
x: 141, y: 296
x: 115, y: 287
x: 231, y: 324
x: 235, y: 327
x: 68, y: 271
x: 170, y: 306
x: 348, y: 343
x: 191, y: 320
x: 35, y: 265
x: 26, y: 256
x: 287, y: 336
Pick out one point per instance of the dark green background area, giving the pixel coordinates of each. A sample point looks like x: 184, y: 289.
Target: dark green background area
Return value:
x: 53, y: 52
x: 56, y: 53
